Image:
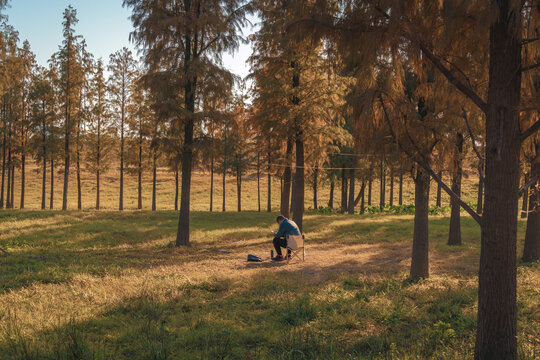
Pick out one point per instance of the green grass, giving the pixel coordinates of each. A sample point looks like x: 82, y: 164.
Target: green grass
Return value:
x: 109, y: 285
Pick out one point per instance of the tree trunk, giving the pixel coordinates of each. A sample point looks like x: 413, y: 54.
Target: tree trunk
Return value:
x: 238, y: 189
x: 67, y: 132
x: 139, y: 171
x: 293, y: 192
x: 496, y: 336
x: 3, y: 167
x: 382, y: 199
x: 98, y: 184
x: 78, y: 145
x: 315, y: 181
x: 259, y: 182
x: 51, y: 200
x: 298, y: 190
x: 439, y: 192
x: 98, y: 164
x: 224, y: 184
x: 531, y: 249
x: 269, y: 200
x: 285, y: 195
x: 182, y: 237
x: 66, y: 171
x: 9, y: 166
x: 391, y: 187
x: 420, y: 250
x: 525, y: 203
x: 44, y: 170
x: 351, y: 202
x: 400, y: 188
x: 331, y: 200
x: 370, y: 186
x: 176, y: 189
x: 23, y: 178
x: 363, y: 199
x: 121, y: 197
x: 344, y: 190
x: 298, y: 206
x: 154, y: 179
x: 212, y: 183
x: 479, y: 205
x: 360, y: 194
x: 454, y: 236
x: 13, y: 186
x: 44, y: 182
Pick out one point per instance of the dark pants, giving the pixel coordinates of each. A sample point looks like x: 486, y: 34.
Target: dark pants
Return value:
x: 279, y: 243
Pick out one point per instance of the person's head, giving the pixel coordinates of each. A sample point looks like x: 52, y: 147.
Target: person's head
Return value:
x: 280, y: 219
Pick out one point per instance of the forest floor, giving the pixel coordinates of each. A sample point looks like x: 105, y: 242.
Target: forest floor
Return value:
x: 111, y: 285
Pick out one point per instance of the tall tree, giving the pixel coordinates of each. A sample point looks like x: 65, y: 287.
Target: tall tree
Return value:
x: 70, y: 83
x: 185, y: 37
x: 242, y: 135
x: 27, y: 66
x: 43, y: 117
x: 100, y: 129
x: 139, y: 122
x: 81, y: 109
x: 122, y: 67
x: 55, y: 128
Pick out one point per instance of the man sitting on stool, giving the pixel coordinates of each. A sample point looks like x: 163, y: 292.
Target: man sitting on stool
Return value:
x: 286, y: 227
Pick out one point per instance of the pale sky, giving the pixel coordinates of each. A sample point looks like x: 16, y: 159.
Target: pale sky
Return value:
x: 104, y: 24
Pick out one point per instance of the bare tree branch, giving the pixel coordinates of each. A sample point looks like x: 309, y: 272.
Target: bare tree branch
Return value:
x: 466, y: 90
x: 530, y: 67
x: 530, y: 131
x: 475, y: 148
x: 430, y: 171
x: 529, y: 40
x: 526, y: 187
x: 527, y: 109
x: 455, y: 67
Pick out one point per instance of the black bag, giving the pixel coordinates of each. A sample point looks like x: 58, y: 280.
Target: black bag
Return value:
x: 254, y: 258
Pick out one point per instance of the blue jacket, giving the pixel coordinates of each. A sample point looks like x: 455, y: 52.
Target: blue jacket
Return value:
x: 287, y: 227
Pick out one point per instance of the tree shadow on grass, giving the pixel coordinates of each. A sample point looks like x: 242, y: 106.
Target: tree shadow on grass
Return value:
x: 98, y: 243
x: 268, y: 318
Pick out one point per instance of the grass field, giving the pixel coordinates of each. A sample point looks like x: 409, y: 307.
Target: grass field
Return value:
x: 109, y: 285
x: 200, y: 195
